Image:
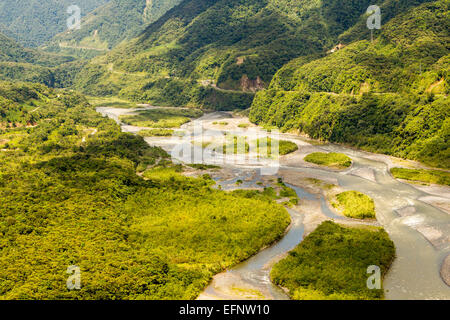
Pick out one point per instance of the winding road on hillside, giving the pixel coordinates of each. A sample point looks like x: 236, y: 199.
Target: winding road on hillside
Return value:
x: 419, y: 228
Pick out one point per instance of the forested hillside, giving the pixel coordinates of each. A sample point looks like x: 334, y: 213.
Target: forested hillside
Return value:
x: 32, y: 22
x: 390, y: 96
x: 33, y: 65
x: 77, y: 191
x: 71, y: 196
x: 109, y: 25
x: 234, y: 44
x: 11, y: 51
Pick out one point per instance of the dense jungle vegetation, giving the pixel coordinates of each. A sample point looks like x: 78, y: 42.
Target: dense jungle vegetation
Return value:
x: 71, y: 196
x: 331, y: 263
x: 236, y: 44
x: 36, y: 66
x: 390, y: 96
x: 75, y: 190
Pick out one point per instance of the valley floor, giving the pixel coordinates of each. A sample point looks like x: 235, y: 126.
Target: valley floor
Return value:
x: 416, y: 217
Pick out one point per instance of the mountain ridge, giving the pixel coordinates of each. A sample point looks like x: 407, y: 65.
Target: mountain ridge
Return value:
x: 235, y: 45
x: 101, y: 31
x: 390, y: 96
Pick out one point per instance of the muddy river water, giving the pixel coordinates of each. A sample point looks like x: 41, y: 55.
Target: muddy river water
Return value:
x: 420, y: 230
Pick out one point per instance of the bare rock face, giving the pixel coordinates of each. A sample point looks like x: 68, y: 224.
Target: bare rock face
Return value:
x: 445, y: 270
x: 251, y: 85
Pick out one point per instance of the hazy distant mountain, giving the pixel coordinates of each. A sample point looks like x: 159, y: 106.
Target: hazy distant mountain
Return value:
x: 110, y: 24
x: 33, y: 22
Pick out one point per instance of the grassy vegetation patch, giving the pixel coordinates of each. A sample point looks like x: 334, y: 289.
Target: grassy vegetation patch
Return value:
x: 270, y: 193
x: 161, y: 117
x: 331, y: 264
x: 422, y: 175
x: 163, y: 172
x: 320, y: 183
x: 354, y: 204
x: 235, y: 145
x: 248, y: 293
x: 156, y: 132
x: 112, y: 102
x: 334, y: 160
x: 200, y: 166
x: 287, y: 192
x: 285, y: 147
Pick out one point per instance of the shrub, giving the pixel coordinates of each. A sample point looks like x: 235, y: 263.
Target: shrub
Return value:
x: 336, y: 160
x: 355, y: 204
x: 331, y: 263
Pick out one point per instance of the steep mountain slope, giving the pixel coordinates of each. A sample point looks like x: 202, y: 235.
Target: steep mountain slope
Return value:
x: 11, y: 51
x: 108, y: 25
x: 234, y: 44
x: 32, y: 22
x: 24, y: 64
x: 389, y: 10
x: 389, y: 96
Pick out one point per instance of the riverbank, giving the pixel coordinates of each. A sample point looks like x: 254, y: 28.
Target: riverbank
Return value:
x: 420, y: 236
